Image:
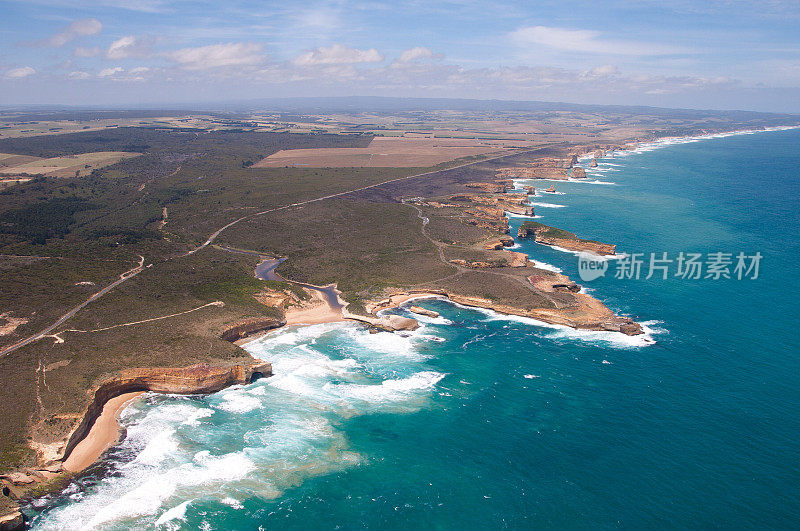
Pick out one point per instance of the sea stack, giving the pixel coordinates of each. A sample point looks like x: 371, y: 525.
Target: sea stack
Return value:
x: 593, y: 164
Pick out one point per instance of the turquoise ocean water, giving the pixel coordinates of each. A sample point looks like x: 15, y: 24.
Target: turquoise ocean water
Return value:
x: 481, y: 421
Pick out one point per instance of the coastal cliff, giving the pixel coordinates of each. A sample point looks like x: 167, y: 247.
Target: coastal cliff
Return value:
x: 581, y: 311
x: 247, y: 327
x: 547, y: 235
x: 195, y: 379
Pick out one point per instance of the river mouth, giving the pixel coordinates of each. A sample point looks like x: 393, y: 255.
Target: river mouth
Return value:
x: 265, y: 270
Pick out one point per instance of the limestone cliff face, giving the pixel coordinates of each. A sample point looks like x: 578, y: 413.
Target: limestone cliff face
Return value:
x: 12, y: 521
x: 587, y: 246
x: 593, y: 164
x: 244, y: 328
x: 195, y: 379
x: 499, y: 243
x: 517, y: 259
x: 566, y: 240
x: 583, y: 312
x: 556, y: 170
x: 586, y: 314
x: 423, y: 311
x: 578, y: 173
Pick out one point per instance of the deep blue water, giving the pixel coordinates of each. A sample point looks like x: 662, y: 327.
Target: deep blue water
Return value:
x: 479, y: 421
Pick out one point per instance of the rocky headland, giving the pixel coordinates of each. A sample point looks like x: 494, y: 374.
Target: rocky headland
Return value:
x: 547, y: 235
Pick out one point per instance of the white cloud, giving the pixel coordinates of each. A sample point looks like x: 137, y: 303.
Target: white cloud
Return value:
x: 320, y: 19
x: 218, y: 55
x: 79, y: 74
x: 337, y: 54
x: 77, y: 28
x: 603, y: 71
x: 108, y: 72
x: 415, y: 53
x: 129, y: 46
x: 588, y: 41
x: 80, y: 51
x: 19, y: 73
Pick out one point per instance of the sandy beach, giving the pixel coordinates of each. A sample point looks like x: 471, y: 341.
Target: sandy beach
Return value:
x: 315, y: 311
x: 103, y: 435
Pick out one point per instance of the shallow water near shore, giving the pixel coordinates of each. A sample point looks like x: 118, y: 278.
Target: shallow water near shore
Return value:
x: 479, y: 420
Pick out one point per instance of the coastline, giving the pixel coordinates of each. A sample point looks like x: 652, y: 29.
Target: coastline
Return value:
x: 673, y: 140
x: 104, y: 434
x: 105, y: 429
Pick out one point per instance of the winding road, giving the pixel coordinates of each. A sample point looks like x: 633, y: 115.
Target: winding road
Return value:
x: 216, y: 233
x: 138, y: 269
x: 122, y: 278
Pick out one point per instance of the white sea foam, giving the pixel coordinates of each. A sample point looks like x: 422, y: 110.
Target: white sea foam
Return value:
x: 432, y: 338
x: 548, y: 205
x: 176, y: 513
x: 531, y: 376
x: 194, y: 418
x: 388, y: 390
x: 238, y: 400
x: 232, y: 502
x: 603, y: 257
x: 546, y: 266
x: 671, y: 141
x: 277, y: 433
x: 555, y: 331
x: 160, y: 446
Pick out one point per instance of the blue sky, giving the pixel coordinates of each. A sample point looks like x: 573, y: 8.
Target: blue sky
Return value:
x: 724, y: 54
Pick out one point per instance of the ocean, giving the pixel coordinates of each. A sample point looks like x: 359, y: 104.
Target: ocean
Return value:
x: 478, y: 420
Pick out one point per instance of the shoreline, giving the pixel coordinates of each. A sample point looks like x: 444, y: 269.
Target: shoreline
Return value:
x: 666, y: 141
x: 105, y: 431
x: 99, y: 429
x: 104, y: 434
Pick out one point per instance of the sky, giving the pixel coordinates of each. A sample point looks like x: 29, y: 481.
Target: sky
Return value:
x: 693, y: 54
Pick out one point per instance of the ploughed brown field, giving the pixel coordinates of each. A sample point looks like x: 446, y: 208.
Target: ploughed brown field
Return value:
x: 387, y: 152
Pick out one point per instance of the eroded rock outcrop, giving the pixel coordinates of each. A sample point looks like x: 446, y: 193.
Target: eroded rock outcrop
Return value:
x: 517, y: 259
x: 247, y: 327
x: 547, y: 235
x: 499, y: 243
x: 195, y: 379
x: 581, y: 312
x: 551, y: 283
x: 422, y: 311
x: 13, y: 521
x: 386, y: 323
x: 578, y: 173
x: 543, y: 171
x: 586, y: 313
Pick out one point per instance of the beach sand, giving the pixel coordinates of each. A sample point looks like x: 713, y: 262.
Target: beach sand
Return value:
x: 315, y: 311
x: 103, y: 435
